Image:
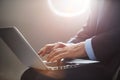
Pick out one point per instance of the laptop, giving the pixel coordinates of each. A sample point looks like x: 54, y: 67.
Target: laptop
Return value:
x: 28, y: 56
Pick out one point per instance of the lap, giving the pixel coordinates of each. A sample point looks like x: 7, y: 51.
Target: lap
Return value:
x: 84, y: 72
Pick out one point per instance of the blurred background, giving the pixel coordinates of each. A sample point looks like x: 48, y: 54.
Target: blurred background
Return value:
x: 39, y: 24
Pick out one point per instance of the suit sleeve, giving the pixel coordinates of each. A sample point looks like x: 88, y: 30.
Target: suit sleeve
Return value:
x: 86, y: 32
x: 107, y: 45
x: 89, y: 29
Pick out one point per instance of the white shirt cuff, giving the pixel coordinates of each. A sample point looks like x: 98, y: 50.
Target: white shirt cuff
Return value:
x: 89, y: 49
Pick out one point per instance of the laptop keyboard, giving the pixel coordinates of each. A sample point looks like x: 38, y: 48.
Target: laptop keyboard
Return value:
x: 67, y: 64
x: 60, y: 66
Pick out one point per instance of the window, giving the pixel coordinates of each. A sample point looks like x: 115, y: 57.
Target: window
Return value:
x: 69, y: 8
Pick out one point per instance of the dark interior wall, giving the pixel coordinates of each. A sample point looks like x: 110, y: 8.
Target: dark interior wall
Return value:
x: 38, y: 24
x: 0, y: 12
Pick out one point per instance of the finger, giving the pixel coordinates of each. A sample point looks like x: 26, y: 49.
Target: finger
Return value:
x: 49, y: 47
x: 45, y: 50
x: 40, y: 51
x: 55, y: 52
x: 58, y: 57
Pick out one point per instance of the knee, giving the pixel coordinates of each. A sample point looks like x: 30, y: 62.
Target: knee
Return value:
x: 29, y: 74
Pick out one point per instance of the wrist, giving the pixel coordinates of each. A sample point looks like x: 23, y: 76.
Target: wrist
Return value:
x: 81, y: 45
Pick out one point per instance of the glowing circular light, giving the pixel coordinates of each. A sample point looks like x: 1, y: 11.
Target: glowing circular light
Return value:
x: 69, y: 8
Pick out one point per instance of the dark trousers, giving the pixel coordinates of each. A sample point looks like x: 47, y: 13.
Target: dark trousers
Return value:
x: 84, y: 72
x: 118, y: 77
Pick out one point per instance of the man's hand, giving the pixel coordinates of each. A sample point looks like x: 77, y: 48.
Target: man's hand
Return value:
x: 69, y: 51
x: 60, y: 50
x: 50, y: 47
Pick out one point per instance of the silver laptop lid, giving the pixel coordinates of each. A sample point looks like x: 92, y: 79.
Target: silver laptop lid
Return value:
x: 22, y: 49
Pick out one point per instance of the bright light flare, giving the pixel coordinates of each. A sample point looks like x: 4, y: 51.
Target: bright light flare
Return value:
x: 69, y: 8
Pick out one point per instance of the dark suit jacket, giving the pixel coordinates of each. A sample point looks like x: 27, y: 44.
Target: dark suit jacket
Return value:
x: 106, y: 40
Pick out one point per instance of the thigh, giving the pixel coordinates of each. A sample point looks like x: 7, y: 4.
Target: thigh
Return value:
x: 88, y: 72
x: 84, y: 72
x: 33, y: 74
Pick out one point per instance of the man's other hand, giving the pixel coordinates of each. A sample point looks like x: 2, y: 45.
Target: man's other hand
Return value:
x: 50, y: 47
